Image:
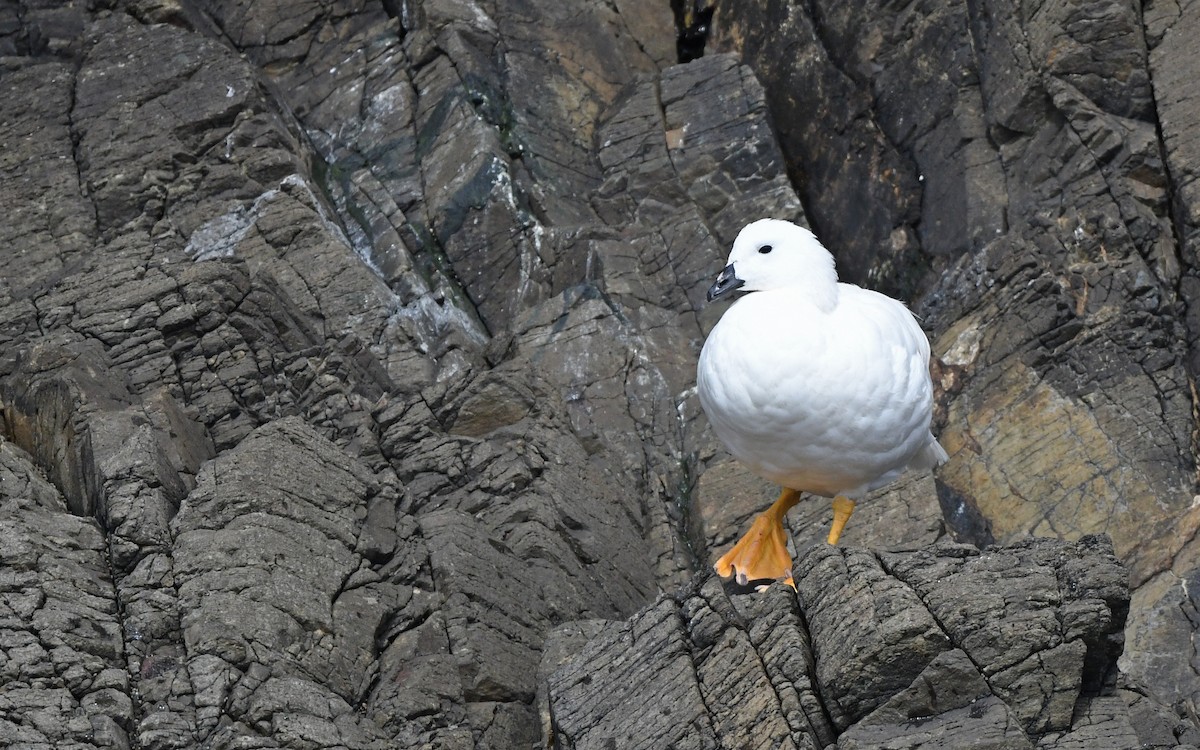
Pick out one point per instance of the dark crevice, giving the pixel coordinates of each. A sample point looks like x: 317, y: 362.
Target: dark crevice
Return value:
x: 906, y: 271
x: 696, y: 660
x: 76, y: 144
x: 430, y: 258
x: 818, y: 690
x: 693, y: 21
x: 398, y: 10
x: 967, y: 522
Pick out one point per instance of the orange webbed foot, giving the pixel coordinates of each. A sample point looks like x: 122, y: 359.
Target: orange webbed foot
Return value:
x: 761, y: 553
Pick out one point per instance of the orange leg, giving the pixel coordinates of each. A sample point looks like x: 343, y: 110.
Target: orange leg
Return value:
x: 842, y: 508
x: 762, y: 553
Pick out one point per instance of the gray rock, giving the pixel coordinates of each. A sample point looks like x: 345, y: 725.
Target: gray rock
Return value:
x: 347, y: 353
x: 63, y: 680
x: 664, y: 678
x: 1098, y: 722
x: 280, y: 613
x: 874, y: 196
x: 899, y: 650
x: 870, y: 635
x: 983, y: 101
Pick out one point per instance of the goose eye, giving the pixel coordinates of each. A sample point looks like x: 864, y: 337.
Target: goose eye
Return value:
x: 765, y: 249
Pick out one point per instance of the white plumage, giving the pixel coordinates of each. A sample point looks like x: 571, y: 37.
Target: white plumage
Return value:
x: 813, y: 384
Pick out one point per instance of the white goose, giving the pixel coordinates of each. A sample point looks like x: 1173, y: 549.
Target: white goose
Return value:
x: 815, y: 385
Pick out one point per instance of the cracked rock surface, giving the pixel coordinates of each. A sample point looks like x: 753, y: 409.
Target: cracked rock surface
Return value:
x: 347, y: 356
x: 946, y: 646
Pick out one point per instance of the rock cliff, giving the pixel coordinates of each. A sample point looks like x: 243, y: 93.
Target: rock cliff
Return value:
x: 347, y: 360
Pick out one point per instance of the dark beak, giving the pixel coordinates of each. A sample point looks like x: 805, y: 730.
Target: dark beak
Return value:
x: 725, y: 283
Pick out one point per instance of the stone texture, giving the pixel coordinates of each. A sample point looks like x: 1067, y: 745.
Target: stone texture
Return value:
x: 347, y: 359
x: 62, y: 662
x: 1048, y: 155
x: 897, y: 650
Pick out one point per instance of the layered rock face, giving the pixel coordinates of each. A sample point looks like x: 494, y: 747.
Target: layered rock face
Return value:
x: 347, y: 359
x: 944, y: 647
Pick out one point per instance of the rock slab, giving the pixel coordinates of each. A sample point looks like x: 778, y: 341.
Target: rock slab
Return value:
x: 947, y: 646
